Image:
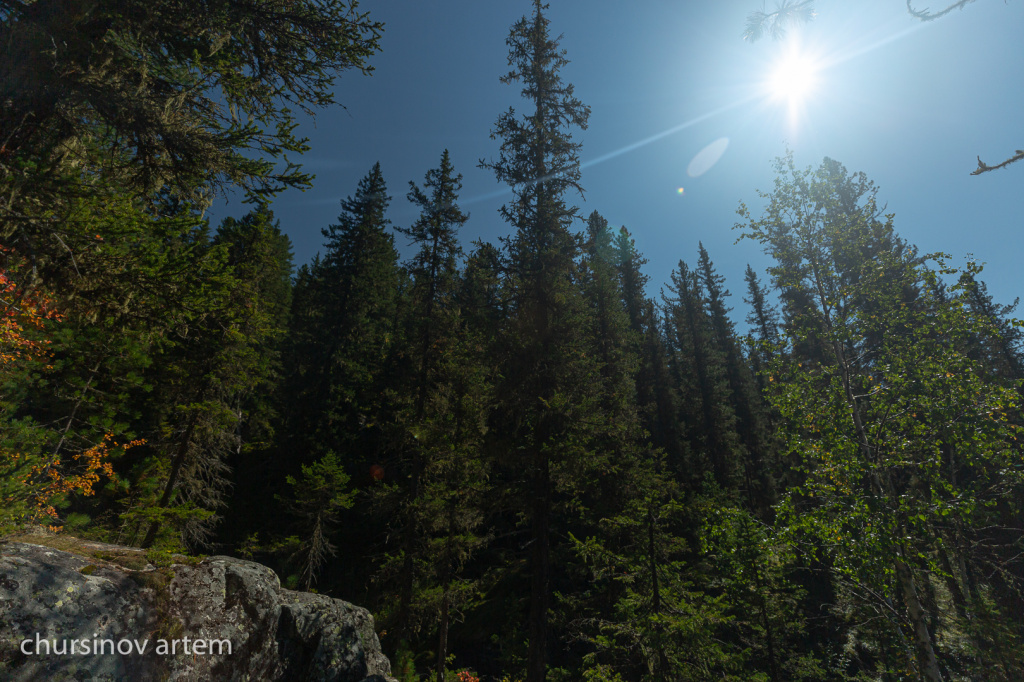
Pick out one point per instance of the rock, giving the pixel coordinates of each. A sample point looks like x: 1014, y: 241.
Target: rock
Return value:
x: 220, y: 619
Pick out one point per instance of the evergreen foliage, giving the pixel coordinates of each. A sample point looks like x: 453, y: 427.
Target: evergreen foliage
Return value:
x: 316, y: 500
x: 527, y: 466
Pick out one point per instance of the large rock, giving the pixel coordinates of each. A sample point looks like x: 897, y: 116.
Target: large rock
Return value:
x: 220, y: 619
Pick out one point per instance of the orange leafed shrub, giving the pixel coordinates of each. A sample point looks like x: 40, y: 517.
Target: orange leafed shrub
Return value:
x: 46, y: 481
x: 20, y: 310
x: 34, y: 480
x: 82, y: 478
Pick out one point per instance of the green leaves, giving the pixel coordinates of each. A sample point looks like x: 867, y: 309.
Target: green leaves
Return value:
x: 898, y: 428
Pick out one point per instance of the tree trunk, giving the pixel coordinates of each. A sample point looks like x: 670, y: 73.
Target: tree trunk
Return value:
x: 536, y: 670
x: 652, y: 558
x: 172, y: 480
x: 409, y: 536
x: 74, y: 410
x: 929, y: 665
x: 442, y: 638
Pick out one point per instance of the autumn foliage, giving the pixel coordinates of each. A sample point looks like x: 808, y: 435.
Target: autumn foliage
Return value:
x: 22, y: 310
x: 33, y: 481
x: 44, y: 480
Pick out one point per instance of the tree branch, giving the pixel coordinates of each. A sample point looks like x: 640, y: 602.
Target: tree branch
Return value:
x: 984, y: 167
x: 925, y: 15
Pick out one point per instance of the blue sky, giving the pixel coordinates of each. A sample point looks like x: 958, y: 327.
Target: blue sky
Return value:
x: 911, y: 104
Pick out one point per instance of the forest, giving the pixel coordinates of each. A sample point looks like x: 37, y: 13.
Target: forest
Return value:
x: 528, y: 460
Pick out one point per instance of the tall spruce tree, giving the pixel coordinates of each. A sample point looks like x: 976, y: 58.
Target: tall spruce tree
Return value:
x: 340, y: 366
x: 548, y: 378
x: 436, y: 501
x: 657, y: 401
x: 764, y: 324
x: 700, y: 373
x: 213, y: 376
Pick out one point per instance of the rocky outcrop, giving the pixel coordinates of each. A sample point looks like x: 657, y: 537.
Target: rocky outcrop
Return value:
x: 100, y: 612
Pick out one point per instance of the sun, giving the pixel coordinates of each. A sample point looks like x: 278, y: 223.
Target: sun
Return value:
x: 794, y: 78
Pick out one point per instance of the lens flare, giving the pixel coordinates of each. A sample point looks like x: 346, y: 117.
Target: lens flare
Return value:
x: 707, y: 157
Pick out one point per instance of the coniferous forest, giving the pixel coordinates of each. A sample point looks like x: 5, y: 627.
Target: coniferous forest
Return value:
x: 528, y: 460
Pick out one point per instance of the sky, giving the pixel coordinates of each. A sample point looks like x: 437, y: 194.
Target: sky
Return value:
x: 910, y: 104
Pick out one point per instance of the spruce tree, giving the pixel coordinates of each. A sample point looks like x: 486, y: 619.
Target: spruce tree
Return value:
x: 316, y: 500
x: 212, y: 377
x: 438, y: 421
x: 763, y: 318
x: 751, y: 425
x: 1003, y: 351
x: 762, y: 342
x: 547, y: 375
x: 699, y: 367
x: 343, y: 330
x: 657, y: 401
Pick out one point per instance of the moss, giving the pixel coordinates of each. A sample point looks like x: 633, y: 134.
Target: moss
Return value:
x: 87, y: 570
x: 133, y: 561
x: 158, y: 582
x: 125, y: 557
x: 160, y: 558
x: 65, y: 543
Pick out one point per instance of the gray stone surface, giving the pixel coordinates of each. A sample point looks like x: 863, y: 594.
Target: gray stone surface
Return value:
x: 274, y: 634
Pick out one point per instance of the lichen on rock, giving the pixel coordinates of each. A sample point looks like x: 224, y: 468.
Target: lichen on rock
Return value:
x: 221, y: 619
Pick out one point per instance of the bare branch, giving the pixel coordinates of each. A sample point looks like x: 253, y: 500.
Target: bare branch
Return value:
x: 926, y: 15
x: 984, y: 167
